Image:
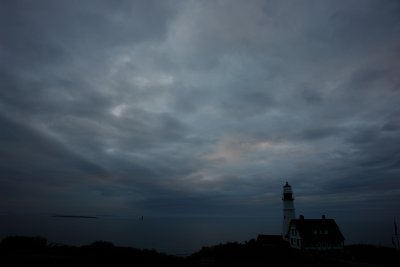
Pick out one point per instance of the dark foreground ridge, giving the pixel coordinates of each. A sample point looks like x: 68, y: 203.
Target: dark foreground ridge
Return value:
x: 34, y: 251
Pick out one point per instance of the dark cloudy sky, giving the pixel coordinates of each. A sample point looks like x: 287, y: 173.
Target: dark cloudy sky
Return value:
x: 200, y: 108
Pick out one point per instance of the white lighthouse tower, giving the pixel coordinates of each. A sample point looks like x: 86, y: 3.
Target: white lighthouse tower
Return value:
x: 288, y: 209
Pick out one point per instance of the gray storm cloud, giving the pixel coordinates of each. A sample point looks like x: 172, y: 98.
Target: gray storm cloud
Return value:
x: 199, y: 104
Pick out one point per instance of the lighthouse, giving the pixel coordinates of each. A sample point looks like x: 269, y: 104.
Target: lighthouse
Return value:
x: 288, y: 209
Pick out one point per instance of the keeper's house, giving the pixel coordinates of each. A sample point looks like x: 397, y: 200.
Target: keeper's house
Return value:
x: 315, y: 234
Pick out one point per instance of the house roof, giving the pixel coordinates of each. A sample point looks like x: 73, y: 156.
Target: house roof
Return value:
x: 318, y: 230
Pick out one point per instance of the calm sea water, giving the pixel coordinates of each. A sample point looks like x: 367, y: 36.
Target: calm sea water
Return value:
x: 172, y: 235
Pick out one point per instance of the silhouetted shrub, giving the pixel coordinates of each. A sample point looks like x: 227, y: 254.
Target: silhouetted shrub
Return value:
x: 374, y: 254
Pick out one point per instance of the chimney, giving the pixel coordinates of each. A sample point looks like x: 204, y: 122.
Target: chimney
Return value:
x: 301, y: 217
x: 323, y: 217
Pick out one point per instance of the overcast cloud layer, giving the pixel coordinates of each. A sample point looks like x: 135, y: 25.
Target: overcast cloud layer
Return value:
x: 200, y: 107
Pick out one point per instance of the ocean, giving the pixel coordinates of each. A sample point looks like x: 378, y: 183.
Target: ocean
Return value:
x: 172, y: 235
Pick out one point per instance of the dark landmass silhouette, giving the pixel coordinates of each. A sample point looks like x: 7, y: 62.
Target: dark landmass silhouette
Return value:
x: 75, y: 216
x: 35, y: 251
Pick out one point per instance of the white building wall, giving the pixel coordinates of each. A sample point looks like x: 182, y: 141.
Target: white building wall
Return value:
x: 294, y: 238
x: 296, y: 241
x: 288, y: 210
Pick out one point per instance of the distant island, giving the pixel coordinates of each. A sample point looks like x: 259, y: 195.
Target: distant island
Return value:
x: 74, y: 216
